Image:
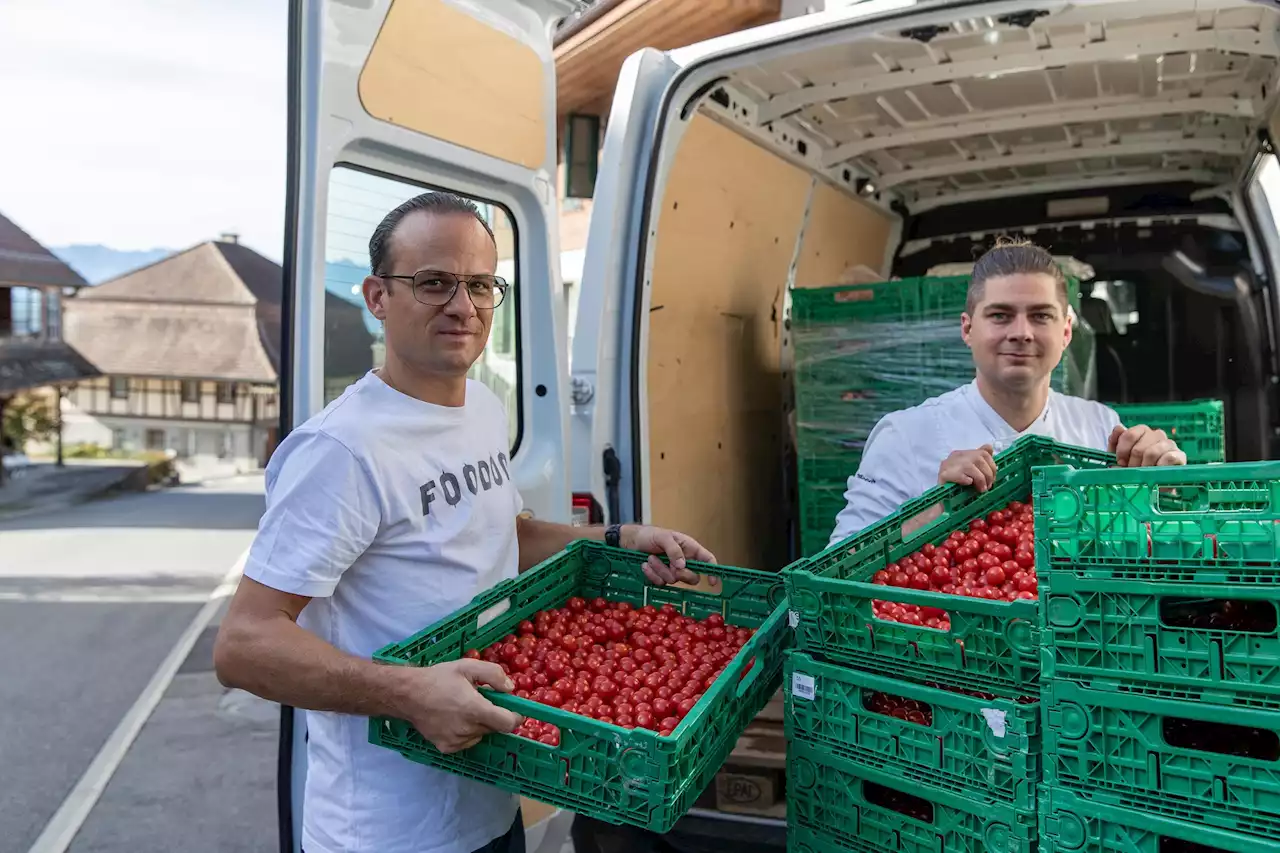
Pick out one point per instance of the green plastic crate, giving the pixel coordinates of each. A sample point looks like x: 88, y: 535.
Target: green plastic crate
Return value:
x: 1195, y: 523
x: 991, y: 647
x: 613, y: 774
x: 820, y: 503
x: 835, y: 805
x: 1114, y: 749
x: 986, y: 750
x: 1071, y: 824
x: 1171, y: 640
x: 1198, y: 426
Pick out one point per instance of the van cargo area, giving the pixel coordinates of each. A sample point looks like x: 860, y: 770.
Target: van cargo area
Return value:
x: 1131, y: 139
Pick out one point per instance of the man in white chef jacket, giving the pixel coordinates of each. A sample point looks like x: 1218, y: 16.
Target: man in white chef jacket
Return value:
x: 1017, y: 326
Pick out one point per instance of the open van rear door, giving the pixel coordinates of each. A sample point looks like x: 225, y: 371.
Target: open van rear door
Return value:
x: 389, y: 99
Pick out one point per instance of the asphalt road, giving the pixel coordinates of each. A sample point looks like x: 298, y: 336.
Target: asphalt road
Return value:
x: 92, y: 601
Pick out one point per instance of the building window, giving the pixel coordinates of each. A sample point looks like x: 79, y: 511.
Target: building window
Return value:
x: 190, y: 391
x: 226, y: 392
x: 53, y: 315
x: 27, y: 311
x: 119, y: 387
x: 155, y: 439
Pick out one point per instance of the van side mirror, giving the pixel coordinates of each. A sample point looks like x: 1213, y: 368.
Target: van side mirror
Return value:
x: 581, y: 155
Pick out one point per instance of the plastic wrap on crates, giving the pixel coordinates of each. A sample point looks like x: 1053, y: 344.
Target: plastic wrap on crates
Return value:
x: 865, y: 350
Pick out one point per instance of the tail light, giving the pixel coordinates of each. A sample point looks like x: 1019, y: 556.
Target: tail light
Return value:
x: 586, y: 510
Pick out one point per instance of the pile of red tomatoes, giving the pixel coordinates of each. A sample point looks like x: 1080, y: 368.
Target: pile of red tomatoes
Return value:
x: 638, y: 668
x: 994, y: 559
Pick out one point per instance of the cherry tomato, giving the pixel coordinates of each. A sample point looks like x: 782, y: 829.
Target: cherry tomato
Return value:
x: 995, y: 576
x: 473, y: 654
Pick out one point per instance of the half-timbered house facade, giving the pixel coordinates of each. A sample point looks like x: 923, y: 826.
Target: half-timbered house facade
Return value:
x: 189, y: 349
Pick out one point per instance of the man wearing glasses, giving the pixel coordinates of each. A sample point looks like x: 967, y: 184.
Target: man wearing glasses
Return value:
x: 385, y: 512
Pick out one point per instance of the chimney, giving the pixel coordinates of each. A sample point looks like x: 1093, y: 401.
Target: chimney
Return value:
x: 228, y: 237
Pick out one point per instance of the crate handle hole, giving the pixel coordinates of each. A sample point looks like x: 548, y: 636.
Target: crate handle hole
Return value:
x: 488, y: 615
x: 899, y: 707
x: 904, y: 804
x: 1169, y: 844
x: 1221, y: 738
x: 1236, y: 615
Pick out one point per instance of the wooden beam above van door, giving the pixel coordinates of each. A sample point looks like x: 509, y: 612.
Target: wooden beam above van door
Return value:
x: 588, y: 61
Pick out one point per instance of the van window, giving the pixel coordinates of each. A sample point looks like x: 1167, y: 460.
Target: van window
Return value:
x: 353, y: 341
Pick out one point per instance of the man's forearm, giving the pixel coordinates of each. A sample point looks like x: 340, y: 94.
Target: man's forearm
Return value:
x: 282, y: 662
x: 540, y: 540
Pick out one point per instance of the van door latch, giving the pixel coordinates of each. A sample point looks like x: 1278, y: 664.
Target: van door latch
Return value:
x: 583, y: 391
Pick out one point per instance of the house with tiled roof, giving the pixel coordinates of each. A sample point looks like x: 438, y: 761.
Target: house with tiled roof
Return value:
x: 33, y: 354
x: 189, y: 349
x: 33, y: 282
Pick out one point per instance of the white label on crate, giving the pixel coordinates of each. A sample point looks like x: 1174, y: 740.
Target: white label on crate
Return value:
x: 995, y: 719
x: 793, y: 618
x: 802, y: 686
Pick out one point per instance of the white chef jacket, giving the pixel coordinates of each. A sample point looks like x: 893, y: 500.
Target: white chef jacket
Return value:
x: 906, y: 448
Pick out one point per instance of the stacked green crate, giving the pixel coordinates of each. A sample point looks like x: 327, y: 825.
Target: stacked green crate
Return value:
x: 1198, y: 426
x: 863, y: 351
x: 1160, y: 658
x: 908, y: 738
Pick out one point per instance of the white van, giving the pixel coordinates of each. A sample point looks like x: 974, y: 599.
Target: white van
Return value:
x: 897, y: 135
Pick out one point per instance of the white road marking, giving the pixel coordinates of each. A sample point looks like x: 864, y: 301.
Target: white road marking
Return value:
x: 85, y: 597
x: 61, y: 829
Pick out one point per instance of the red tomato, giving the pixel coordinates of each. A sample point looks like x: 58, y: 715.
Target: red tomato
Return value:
x: 1025, y: 594
x: 881, y: 578
x: 1024, y: 559
x: 920, y: 580
x: 472, y: 654
x: 577, y: 605
x: 987, y: 561
x: 940, y: 575
x: 995, y: 576
x: 1027, y: 584
x: 900, y: 579
x: 684, y: 706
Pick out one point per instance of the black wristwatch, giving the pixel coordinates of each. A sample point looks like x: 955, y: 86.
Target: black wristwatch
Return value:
x: 613, y: 535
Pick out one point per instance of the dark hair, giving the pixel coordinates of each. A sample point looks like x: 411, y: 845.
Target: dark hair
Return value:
x: 429, y: 202
x: 1013, y: 257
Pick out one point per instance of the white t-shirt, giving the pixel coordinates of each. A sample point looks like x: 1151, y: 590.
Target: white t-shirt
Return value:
x: 906, y: 448
x: 390, y: 513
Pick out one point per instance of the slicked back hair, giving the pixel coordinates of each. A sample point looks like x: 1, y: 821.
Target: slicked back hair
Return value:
x: 430, y: 202
x: 1013, y: 257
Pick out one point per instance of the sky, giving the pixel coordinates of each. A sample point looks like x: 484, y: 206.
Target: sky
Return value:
x: 140, y: 124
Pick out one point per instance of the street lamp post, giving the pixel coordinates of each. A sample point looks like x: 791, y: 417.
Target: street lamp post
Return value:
x: 60, y: 391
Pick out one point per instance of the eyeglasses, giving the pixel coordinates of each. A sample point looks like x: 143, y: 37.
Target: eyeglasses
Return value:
x: 434, y: 287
